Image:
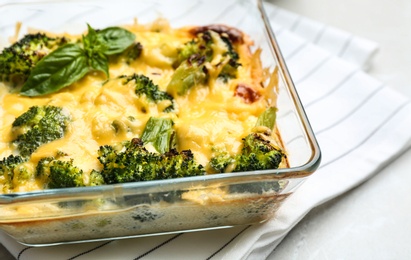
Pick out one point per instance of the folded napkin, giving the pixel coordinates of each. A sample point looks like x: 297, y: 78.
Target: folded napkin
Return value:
x: 360, y: 124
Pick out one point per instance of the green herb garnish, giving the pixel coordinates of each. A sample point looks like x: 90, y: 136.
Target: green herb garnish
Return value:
x: 71, y: 62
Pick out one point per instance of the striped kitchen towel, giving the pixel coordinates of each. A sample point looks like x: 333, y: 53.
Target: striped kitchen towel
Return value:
x: 360, y: 124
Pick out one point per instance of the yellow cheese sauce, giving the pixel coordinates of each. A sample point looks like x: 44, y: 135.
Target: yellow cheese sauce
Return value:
x: 206, y: 118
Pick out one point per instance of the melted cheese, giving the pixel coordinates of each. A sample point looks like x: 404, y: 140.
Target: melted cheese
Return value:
x: 208, y: 117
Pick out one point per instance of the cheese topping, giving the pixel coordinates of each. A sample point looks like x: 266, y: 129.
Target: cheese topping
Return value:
x: 215, y: 116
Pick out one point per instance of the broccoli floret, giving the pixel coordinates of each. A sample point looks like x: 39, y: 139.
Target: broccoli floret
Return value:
x: 132, y: 162
x: 258, y: 153
x: 59, y: 174
x: 230, y: 68
x: 221, y: 162
x: 190, y: 73
x: 185, y: 51
x: 7, y: 171
x: 132, y: 52
x: 202, y: 46
x: 144, y: 86
x: 191, y: 70
x: 176, y: 164
x: 21, y: 175
x: 17, y: 61
x: 37, y: 126
x: 96, y: 179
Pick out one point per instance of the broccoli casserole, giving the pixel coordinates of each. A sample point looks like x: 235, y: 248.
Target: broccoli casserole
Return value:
x: 113, y: 127
x: 134, y: 103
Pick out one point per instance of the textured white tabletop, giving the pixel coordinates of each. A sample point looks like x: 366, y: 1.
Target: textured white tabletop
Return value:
x: 373, y: 220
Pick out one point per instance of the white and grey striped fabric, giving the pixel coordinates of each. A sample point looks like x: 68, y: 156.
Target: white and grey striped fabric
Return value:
x: 360, y: 123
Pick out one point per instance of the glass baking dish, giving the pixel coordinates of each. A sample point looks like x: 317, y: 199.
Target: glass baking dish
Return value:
x: 157, y: 207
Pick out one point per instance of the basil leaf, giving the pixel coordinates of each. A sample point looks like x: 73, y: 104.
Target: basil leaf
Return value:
x: 71, y: 62
x: 116, y: 39
x: 93, y: 44
x: 57, y: 70
x: 99, y: 62
x: 94, y: 49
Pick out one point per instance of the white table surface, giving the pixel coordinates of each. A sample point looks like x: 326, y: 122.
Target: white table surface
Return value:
x: 372, y: 221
